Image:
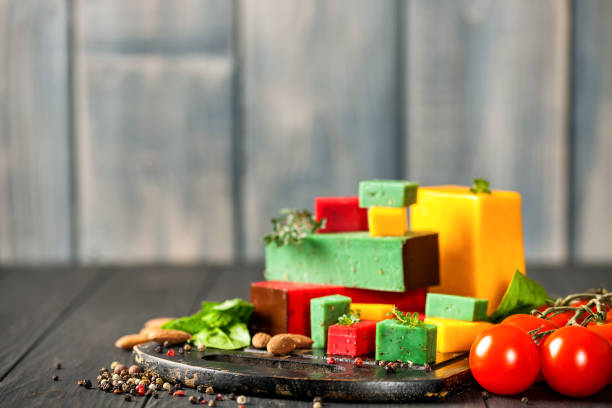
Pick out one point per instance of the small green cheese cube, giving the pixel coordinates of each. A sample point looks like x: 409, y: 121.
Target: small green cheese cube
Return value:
x: 387, y: 193
x: 455, y: 307
x: 396, y: 341
x: 325, y: 311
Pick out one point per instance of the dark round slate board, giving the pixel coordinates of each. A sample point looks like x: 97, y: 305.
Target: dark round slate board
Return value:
x: 306, y: 374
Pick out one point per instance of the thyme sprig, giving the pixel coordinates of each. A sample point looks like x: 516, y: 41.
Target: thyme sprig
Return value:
x: 292, y: 226
x: 480, y: 185
x: 406, y: 319
x: 348, y: 319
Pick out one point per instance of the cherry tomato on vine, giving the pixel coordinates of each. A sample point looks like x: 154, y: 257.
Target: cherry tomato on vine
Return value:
x: 529, y: 323
x: 576, y: 361
x: 560, y: 319
x: 604, y: 329
x: 504, y: 359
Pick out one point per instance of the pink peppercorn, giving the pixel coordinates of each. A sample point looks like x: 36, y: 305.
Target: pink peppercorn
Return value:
x: 178, y: 393
x: 331, y: 360
x: 170, y: 353
x: 358, y: 362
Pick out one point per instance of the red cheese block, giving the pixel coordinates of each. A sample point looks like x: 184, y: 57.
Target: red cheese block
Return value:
x: 284, y: 307
x: 354, y: 340
x: 342, y: 214
x: 412, y: 300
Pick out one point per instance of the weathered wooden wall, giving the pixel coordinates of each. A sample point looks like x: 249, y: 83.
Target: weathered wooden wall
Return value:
x: 161, y: 131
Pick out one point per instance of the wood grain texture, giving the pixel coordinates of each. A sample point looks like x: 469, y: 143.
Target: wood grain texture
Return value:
x: 34, y: 148
x: 83, y: 342
x: 592, y: 130
x: 154, y: 132
x: 487, y: 97
x: 319, y: 94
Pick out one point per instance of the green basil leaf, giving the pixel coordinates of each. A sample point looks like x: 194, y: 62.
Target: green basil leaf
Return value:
x: 523, y: 295
x: 190, y: 324
x: 239, y: 333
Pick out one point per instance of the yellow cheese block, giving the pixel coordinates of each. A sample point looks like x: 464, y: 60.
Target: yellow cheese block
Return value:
x: 480, y: 239
x: 455, y: 335
x: 387, y: 221
x: 372, y: 311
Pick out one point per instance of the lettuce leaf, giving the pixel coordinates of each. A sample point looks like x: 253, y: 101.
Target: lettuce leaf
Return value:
x: 523, y: 295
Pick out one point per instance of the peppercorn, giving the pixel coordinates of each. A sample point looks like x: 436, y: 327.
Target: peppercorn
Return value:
x: 241, y: 399
x: 427, y: 367
x: 485, y: 395
x: 117, y: 391
x: 232, y: 396
x: 103, y: 370
x: 114, y: 364
x: 193, y: 399
x: 187, y: 347
x: 358, y: 362
x: 170, y: 353
x: 158, y: 349
x: 155, y: 395
x: 525, y: 400
x: 58, y: 366
x: 179, y: 393
x: 317, y: 399
x: 181, y: 350
x: 56, y: 378
x: 201, y: 347
x: 390, y: 368
x: 331, y: 360
x: 317, y: 405
x: 219, y: 397
x: 79, y: 383
x: 87, y: 384
x: 201, y: 388
x: 177, y: 386
x: 127, y: 397
x: 382, y: 363
x: 210, y: 390
x: 212, y: 403
x: 167, y: 386
x: 166, y: 344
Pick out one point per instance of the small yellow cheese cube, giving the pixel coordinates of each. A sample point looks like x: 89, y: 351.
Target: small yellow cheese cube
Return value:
x: 387, y: 221
x: 456, y: 335
x: 372, y: 311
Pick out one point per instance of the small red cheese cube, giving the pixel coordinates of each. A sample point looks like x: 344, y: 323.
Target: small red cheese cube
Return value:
x: 342, y: 214
x: 354, y: 340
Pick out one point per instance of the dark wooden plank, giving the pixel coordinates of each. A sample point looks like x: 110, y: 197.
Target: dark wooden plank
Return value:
x: 32, y: 302
x: 154, y: 132
x: 319, y: 96
x: 592, y: 123
x: 83, y: 341
x: 487, y: 97
x: 541, y: 395
x: 34, y: 143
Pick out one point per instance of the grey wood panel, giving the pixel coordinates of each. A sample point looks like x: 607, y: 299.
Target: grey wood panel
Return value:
x: 34, y: 147
x: 592, y: 130
x: 319, y: 102
x: 154, y: 144
x: 487, y: 97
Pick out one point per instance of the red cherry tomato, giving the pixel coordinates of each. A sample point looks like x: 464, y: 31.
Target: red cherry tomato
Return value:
x: 529, y: 323
x: 604, y: 329
x: 560, y: 319
x: 504, y: 359
x: 576, y: 361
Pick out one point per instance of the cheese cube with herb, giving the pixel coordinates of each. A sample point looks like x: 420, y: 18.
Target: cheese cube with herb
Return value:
x: 352, y: 340
x: 480, y: 238
x: 455, y: 335
x: 399, y: 341
x: 387, y: 222
x: 324, y: 312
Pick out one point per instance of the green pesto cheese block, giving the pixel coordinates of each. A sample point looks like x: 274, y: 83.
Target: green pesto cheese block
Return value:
x: 455, y: 307
x: 396, y: 341
x: 387, y: 193
x: 324, y: 312
x: 355, y: 259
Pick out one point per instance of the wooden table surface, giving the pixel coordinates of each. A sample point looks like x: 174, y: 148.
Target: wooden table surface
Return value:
x: 73, y: 316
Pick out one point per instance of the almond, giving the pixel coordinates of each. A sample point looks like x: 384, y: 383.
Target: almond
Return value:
x: 260, y: 340
x: 281, y: 344
x: 130, y: 340
x: 171, y: 336
x: 301, y: 341
x: 157, y: 322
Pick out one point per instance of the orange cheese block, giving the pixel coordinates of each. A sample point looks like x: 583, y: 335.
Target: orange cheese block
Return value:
x: 480, y: 239
x: 372, y: 311
x: 387, y: 221
x: 455, y: 335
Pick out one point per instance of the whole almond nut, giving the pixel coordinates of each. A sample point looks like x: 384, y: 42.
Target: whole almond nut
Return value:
x: 157, y: 322
x: 281, y: 344
x: 171, y: 336
x: 301, y: 341
x: 260, y: 340
x: 128, y: 341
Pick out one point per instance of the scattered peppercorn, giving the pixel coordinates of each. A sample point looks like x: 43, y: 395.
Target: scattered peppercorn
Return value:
x: 79, y: 383
x: 201, y: 347
x: 525, y: 400
x: 382, y: 363
x: 114, y: 364
x: 55, y: 378
x: 317, y: 399
x: 158, y: 349
x: 87, y: 384
x: 331, y: 360
x: 485, y: 395
x: 187, y: 347
x: 117, y: 391
x: 177, y: 386
x: 212, y: 403
x: 167, y: 386
x: 155, y: 395
x: 201, y: 388
x: 358, y: 362
x: 134, y: 370
x: 170, y: 353
x: 231, y: 396
x: 427, y: 367
x: 241, y: 399
x: 390, y: 368
x: 317, y: 405
x: 193, y: 399
x: 166, y: 344
x: 240, y: 406
x: 210, y: 390
x: 58, y: 366
x: 127, y: 397
x: 219, y: 397
x: 119, y: 368
x: 181, y: 350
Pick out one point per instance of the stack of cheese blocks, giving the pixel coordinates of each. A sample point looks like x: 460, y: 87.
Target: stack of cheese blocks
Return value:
x: 366, y: 258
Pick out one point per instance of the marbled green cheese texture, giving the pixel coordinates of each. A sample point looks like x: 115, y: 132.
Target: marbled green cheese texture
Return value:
x: 324, y: 312
x: 456, y: 307
x: 387, y: 193
x: 355, y: 259
x: 395, y: 341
